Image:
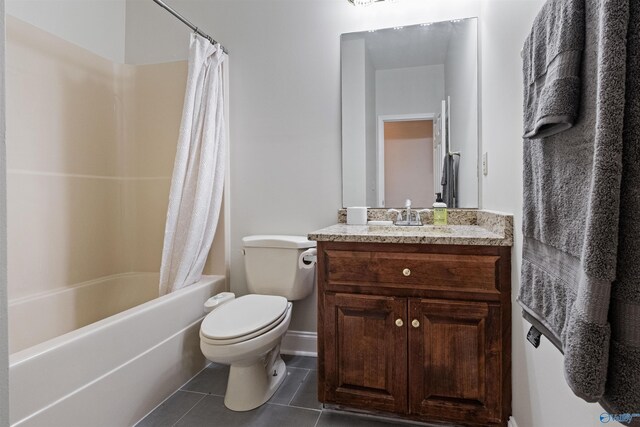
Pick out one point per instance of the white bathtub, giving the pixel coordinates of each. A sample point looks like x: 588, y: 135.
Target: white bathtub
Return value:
x: 114, y: 371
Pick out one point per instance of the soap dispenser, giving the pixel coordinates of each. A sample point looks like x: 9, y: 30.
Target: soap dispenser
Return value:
x: 439, y: 211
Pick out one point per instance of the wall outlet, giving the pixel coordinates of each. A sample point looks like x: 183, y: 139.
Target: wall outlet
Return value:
x: 485, y: 164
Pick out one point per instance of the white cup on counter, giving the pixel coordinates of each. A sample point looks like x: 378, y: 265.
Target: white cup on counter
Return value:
x: 357, y: 215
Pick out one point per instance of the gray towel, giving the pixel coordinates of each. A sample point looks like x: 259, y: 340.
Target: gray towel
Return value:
x: 622, y: 393
x: 449, y: 180
x: 551, y: 62
x: 580, y: 269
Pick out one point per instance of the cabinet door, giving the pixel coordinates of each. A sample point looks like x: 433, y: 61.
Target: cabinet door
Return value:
x: 365, y: 346
x: 454, y: 360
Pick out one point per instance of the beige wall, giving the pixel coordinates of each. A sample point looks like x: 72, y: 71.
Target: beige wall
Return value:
x: 408, y: 162
x: 90, y: 152
x: 153, y: 104
x: 64, y: 187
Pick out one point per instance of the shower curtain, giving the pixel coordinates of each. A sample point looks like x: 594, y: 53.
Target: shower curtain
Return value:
x: 198, y: 173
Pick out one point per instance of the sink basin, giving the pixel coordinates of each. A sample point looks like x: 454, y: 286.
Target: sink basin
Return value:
x: 410, y: 229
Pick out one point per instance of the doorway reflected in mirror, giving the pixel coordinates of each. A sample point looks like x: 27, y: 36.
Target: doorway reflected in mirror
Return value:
x: 405, y: 170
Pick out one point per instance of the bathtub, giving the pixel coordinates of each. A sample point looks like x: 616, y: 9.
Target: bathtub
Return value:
x: 109, y: 372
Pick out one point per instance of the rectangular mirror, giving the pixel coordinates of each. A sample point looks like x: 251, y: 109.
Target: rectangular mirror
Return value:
x: 410, y: 115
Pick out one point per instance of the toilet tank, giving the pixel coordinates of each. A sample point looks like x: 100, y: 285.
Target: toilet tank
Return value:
x: 272, y: 266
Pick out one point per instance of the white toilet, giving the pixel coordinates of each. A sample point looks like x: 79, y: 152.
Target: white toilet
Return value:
x: 246, y: 332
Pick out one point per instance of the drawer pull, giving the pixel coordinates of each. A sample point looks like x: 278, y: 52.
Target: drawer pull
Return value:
x: 399, y: 322
x: 415, y: 323
x: 406, y: 272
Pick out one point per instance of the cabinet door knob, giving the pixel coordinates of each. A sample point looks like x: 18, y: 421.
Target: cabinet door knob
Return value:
x: 406, y: 272
x: 415, y: 323
x: 399, y: 322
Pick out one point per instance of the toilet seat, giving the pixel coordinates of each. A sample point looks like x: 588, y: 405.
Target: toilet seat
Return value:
x: 243, y: 318
x: 259, y: 332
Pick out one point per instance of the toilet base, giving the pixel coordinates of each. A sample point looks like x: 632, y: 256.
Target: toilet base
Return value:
x: 252, y: 385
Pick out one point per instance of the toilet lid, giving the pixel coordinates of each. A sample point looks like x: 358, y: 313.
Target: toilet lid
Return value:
x: 243, y: 316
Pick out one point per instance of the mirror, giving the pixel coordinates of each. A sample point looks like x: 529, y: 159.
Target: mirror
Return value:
x: 410, y: 115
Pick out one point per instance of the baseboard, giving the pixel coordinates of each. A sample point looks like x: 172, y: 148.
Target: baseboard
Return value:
x: 512, y: 422
x: 300, y: 343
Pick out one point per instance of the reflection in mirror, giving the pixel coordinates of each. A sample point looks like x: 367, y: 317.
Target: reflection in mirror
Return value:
x: 410, y: 115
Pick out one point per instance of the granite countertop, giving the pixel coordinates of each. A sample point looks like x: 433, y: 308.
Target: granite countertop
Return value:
x: 485, y: 228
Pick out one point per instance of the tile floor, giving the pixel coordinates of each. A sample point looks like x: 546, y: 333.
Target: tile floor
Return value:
x: 200, y: 403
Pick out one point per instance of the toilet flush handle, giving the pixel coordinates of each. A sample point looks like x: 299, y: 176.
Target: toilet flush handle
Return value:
x: 308, y: 258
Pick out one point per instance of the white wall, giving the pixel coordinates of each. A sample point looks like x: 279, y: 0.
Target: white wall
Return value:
x: 541, y: 398
x: 461, y: 84
x: 371, y: 129
x: 354, y: 119
x: 4, y: 338
x: 96, y: 25
x: 410, y: 90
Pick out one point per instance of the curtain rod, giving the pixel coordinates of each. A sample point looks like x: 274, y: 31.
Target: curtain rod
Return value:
x: 187, y: 23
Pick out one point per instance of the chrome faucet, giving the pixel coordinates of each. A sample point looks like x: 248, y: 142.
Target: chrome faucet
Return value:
x: 407, y: 207
x: 412, y: 217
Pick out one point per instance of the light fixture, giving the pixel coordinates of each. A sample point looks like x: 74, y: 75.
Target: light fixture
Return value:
x: 363, y: 2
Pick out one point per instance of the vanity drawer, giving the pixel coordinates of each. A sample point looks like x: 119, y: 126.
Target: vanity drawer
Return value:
x: 416, y: 270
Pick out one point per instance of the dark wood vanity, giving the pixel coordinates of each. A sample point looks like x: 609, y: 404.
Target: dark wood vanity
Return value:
x: 419, y: 331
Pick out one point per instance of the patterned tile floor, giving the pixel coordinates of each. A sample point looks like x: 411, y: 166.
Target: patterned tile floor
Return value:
x: 200, y: 403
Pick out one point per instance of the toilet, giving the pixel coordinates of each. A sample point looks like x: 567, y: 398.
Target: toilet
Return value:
x: 246, y: 332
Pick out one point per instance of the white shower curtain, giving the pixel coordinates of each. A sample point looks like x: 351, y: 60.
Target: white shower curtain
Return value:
x: 198, y: 173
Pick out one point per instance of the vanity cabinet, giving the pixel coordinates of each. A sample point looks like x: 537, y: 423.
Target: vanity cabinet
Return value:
x: 417, y: 331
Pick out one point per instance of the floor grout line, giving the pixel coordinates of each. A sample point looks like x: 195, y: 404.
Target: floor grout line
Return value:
x: 303, y: 407
x: 189, y: 410
x: 318, y: 420
x: 296, y: 407
x: 298, y: 369
x: 299, y: 386
x: 192, y: 391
